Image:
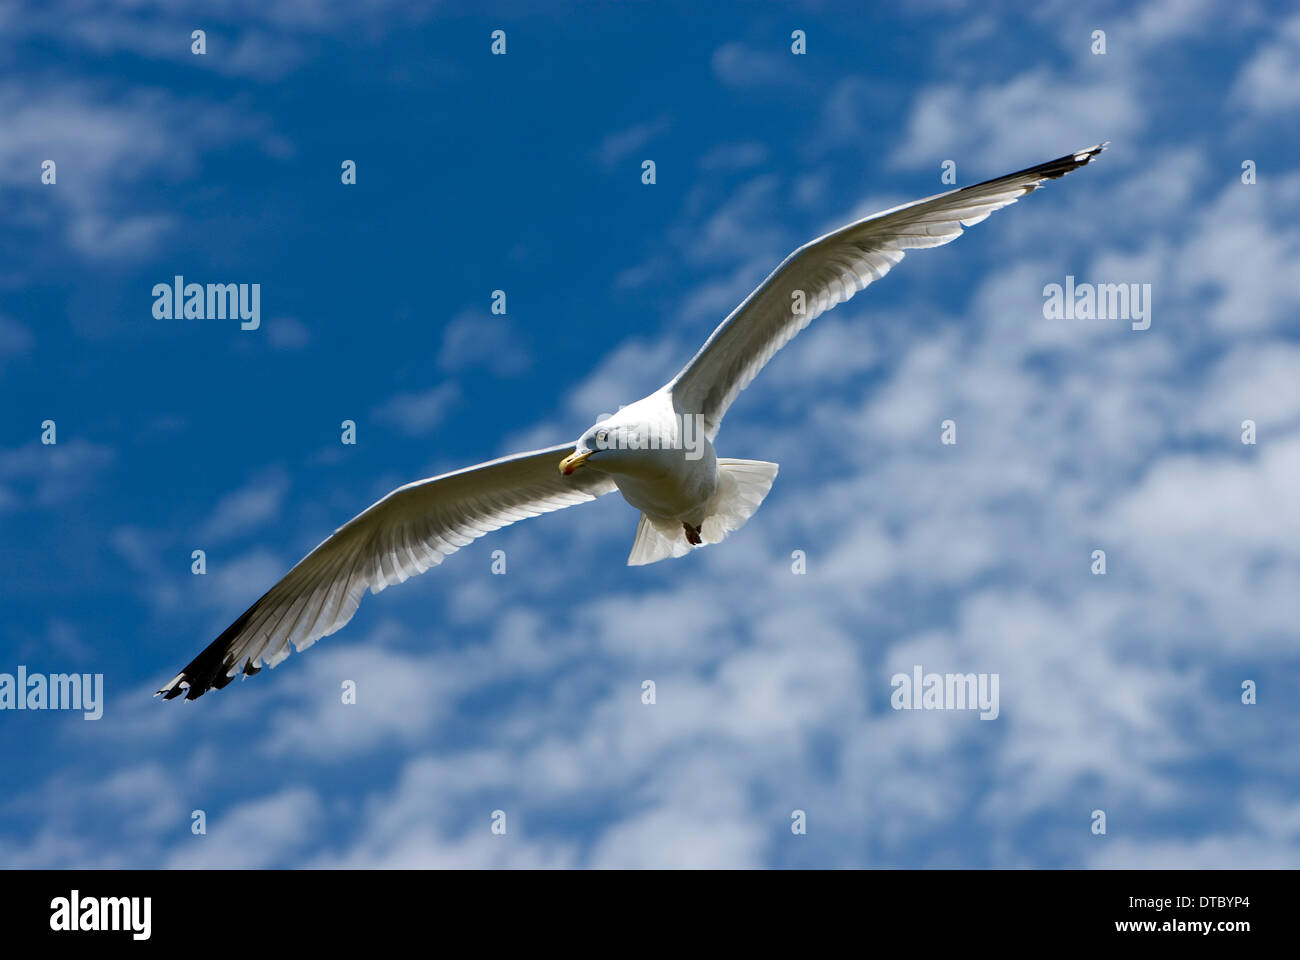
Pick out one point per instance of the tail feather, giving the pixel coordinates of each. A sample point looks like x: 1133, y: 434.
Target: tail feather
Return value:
x: 657, y: 540
x: 742, y: 486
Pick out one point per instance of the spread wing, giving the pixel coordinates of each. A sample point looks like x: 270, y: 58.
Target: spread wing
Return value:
x: 405, y: 533
x: 829, y: 271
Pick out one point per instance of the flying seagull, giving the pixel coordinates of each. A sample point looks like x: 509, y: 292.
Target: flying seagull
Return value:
x: 658, y: 452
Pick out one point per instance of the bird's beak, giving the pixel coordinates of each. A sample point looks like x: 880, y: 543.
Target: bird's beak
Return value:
x: 573, y: 461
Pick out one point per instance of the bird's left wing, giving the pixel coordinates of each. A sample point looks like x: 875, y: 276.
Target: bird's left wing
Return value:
x: 405, y: 533
x: 829, y: 271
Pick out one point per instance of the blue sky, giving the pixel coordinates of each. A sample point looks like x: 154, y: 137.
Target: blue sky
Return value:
x: 522, y: 692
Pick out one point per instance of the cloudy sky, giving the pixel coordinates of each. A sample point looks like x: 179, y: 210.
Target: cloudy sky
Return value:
x: 522, y: 692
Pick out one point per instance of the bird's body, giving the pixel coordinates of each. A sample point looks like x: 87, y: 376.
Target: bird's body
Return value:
x: 657, y: 452
x: 663, y: 463
x: 670, y: 487
x: 653, y: 460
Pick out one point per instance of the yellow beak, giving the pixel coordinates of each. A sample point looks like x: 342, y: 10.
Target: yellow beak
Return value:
x: 573, y: 461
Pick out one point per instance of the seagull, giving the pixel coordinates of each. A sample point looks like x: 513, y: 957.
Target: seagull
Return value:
x: 658, y: 452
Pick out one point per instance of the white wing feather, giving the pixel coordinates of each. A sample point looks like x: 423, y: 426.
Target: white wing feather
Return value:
x: 405, y: 533
x: 829, y: 271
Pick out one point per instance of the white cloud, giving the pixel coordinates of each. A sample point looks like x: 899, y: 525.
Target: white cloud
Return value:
x: 1269, y: 84
x: 420, y: 412
x: 619, y: 146
x: 245, y: 38
x: 489, y: 342
x: 50, y: 475
x: 998, y: 127
x: 1160, y: 21
x: 742, y: 65
x: 236, y: 583
x: 847, y: 115
x: 247, y: 509
x: 1245, y: 249
x: 101, y: 147
x: 1253, y: 381
x: 740, y: 224
x: 254, y: 835
x: 400, y: 828
x: 399, y: 699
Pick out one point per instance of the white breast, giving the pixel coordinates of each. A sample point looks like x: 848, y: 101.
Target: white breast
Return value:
x: 679, y: 492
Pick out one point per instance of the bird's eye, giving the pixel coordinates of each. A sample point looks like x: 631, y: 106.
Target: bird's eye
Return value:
x: 602, y: 436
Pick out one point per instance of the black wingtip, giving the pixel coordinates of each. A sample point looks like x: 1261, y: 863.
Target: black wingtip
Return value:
x: 1063, y: 165
x: 181, y: 685
x: 1052, y: 169
x: 214, y: 668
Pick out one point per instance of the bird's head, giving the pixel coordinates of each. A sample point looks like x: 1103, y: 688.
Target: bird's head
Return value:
x: 614, y: 444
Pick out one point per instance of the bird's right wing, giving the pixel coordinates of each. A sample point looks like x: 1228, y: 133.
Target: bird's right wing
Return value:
x: 830, y: 270
x: 405, y: 533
